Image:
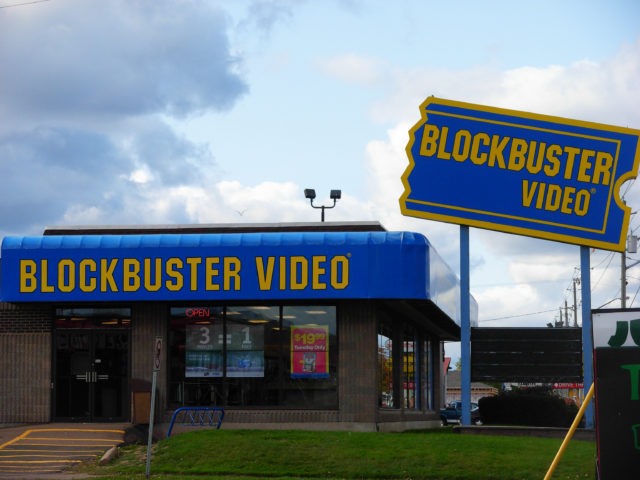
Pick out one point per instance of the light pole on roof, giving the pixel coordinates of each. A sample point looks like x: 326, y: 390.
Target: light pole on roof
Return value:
x: 334, y: 195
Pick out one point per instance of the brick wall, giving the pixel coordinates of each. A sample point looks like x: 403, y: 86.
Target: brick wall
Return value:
x: 148, y: 321
x: 25, y: 363
x: 357, y: 381
x: 25, y: 317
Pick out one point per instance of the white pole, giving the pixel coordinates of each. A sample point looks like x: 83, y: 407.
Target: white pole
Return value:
x: 151, y: 415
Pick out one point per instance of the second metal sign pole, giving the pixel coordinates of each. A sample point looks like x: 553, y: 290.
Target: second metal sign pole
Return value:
x: 157, y: 356
x: 587, y: 343
x: 151, y: 415
x: 465, y: 326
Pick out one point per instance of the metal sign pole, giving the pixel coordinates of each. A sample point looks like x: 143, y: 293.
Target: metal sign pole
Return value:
x: 587, y: 343
x: 151, y: 415
x: 157, y: 351
x: 465, y: 326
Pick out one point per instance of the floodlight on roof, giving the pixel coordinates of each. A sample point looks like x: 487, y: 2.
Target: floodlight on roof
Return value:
x: 334, y: 195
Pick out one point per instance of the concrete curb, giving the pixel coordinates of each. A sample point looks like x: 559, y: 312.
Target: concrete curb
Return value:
x: 109, y: 455
x: 515, y: 431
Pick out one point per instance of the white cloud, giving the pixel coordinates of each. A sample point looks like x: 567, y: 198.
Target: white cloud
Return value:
x: 88, y: 60
x: 542, y: 268
x: 496, y: 303
x: 141, y: 175
x: 603, y: 92
x: 353, y: 69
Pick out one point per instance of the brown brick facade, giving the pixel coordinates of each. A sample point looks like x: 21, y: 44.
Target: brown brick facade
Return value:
x: 24, y: 317
x: 25, y: 363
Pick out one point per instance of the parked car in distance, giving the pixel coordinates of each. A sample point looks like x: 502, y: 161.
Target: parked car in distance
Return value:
x: 452, y: 413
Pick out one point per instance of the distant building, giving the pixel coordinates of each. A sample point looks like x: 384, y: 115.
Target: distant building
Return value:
x: 478, y: 389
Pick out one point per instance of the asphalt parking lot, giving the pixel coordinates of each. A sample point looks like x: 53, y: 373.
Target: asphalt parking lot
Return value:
x: 49, y: 450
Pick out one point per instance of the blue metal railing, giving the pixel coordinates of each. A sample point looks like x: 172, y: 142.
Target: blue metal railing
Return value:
x: 197, y: 417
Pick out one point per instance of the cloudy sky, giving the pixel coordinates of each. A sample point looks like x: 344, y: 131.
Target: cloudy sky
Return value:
x: 163, y: 111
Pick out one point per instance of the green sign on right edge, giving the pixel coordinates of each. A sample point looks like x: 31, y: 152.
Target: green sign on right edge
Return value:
x: 616, y: 340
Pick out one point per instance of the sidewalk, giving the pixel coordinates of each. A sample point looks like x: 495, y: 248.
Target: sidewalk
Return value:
x: 47, y: 451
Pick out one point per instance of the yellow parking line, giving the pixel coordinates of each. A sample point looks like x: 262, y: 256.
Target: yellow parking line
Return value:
x: 43, y: 461
x: 28, y: 432
x: 11, y: 450
x: 57, y: 445
x: 75, y: 439
x: 16, y: 459
x: 73, y: 430
x: 31, y: 469
x: 44, y: 456
x: 18, y: 438
x: 113, y: 440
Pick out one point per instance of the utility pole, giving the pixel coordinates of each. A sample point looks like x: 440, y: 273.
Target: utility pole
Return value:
x: 575, y: 302
x: 632, y: 247
x: 566, y: 313
x: 560, y: 316
x: 623, y: 283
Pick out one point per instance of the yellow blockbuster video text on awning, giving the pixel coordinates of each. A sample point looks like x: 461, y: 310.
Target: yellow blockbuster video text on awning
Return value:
x: 518, y: 172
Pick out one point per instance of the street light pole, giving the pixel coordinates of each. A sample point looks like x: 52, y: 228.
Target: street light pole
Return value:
x: 334, y: 195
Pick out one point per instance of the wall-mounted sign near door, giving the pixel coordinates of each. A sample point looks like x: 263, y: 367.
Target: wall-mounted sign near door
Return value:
x: 157, y: 354
x: 616, y: 339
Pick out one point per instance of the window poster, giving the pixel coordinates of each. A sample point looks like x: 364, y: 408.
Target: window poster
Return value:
x: 203, y: 356
x: 309, y: 351
x: 245, y: 350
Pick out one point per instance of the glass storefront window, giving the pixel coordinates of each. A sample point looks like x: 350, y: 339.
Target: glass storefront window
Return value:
x: 195, y: 355
x: 410, y: 373
x: 250, y: 355
x: 310, y: 343
x: 385, y: 367
x: 427, y: 362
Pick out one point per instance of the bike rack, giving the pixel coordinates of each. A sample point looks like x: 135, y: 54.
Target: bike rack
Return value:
x: 198, y: 417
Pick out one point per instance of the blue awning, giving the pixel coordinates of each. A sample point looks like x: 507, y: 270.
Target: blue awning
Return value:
x: 227, y: 267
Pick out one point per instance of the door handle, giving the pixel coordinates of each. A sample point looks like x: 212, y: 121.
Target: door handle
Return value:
x: 103, y: 377
x: 84, y: 377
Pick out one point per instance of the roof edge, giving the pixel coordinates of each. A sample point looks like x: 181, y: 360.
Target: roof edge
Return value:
x: 355, y: 226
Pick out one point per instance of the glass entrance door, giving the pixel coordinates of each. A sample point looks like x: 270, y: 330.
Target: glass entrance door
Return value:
x: 111, y: 377
x: 91, y: 375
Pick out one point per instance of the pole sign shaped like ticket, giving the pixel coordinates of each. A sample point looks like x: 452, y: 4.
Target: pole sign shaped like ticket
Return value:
x: 522, y: 173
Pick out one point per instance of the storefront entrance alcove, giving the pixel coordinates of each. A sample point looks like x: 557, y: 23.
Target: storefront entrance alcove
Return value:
x: 91, y: 365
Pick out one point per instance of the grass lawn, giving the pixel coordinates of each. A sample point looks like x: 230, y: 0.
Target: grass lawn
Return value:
x: 433, y: 454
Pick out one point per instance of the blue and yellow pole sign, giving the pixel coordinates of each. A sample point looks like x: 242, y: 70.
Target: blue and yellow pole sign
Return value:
x: 518, y: 172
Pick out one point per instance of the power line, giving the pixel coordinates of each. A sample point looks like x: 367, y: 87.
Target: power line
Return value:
x: 24, y: 3
x: 601, y: 261
x: 516, y: 316
x: 634, y: 297
x: 629, y: 185
x: 603, y: 272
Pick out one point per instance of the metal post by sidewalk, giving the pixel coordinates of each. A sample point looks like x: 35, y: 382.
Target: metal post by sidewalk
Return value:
x: 157, y: 351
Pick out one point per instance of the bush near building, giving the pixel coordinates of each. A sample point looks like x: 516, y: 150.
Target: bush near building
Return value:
x: 535, y: 407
